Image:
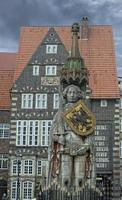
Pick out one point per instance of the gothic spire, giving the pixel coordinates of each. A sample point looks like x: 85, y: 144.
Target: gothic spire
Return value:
x: 74, y: 71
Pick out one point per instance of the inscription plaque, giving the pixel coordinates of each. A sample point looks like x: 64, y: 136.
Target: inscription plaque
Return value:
x: 103, y: 147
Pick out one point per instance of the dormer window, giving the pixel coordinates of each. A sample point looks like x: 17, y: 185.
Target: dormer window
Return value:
x: 35, y: 70
x: 51, y: 70
x: 51, y: 49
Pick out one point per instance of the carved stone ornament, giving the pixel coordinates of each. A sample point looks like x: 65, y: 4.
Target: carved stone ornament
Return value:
x: 80, y: 119
x: 50, y: 80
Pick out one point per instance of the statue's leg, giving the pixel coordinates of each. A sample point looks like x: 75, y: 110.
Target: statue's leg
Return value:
x: 66, y: 166
x: 79, y: 168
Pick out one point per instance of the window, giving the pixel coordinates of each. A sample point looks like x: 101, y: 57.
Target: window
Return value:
x: 27, y: 133
x: 41, y: 101
x: 27, y: 190
x: 14, y: 190
x: 28, y: 167
x: 121, y: 103
x: 120, y: 149
x: 15, y: 167
x: 103, y: 103
x: 45, y: 128
x: 39, y: 167
x: 22, y: 132
x: 56, y: 101
x: 27, y: 101
x: 3, y: 161
x: 35, y: 70
x: 42, y: 167
x: 51, y: 70
x: 120, y: 123
x: 4, y: 130
x: 51, y: 49
x: 33, y: 133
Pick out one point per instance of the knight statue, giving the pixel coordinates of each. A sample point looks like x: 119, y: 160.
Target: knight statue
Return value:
x: 71, y: 160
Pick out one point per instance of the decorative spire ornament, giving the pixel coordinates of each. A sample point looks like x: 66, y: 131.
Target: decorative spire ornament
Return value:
x: 74, y: 71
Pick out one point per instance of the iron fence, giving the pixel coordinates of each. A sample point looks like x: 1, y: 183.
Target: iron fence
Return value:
x: 55, y: 192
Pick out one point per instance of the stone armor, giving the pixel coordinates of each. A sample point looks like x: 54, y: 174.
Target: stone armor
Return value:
x: 70, y: 153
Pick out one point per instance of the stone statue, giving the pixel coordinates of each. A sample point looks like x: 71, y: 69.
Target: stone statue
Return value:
x: 70, y: 154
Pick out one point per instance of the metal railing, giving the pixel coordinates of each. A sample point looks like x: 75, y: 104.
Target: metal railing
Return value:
x: 55, y: 192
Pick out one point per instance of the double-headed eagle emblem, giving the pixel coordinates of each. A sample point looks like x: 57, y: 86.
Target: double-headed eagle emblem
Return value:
x: 80, y: 119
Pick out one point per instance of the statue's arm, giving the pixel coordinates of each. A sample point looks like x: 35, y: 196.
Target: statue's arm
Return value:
x: 85, y: 148
x: 57, y: 129
x: 90, y: 141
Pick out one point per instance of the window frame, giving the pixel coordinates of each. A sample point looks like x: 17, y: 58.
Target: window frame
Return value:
x: 45, y: 129
x: 103, y: 103
x: 28, y: 168
x: 15, y: 167
x: 56, y: 101
x: 27, y: 188
x: 3, y: 129
x: 120, y: 148
x: 41, y: 101
x: 14, y: 189
x: 34, y: 136
x: 121, y: 102
x: 3, y: 161
x: 27, y: 130
x: 43, y: 168
x: 35, y: 70
x: 51, y: 49
x: 39, y: 167
x: 50, y: 70
x: 121, y: 124
x: 27, y: 101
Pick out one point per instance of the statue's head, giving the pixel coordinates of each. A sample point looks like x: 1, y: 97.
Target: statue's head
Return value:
x: 72, y: 94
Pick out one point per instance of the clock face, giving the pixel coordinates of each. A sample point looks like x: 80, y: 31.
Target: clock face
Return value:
x: 80, y: 119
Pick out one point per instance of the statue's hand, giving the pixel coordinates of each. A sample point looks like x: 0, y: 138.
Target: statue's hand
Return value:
x: 79, y: 150
x: 84, y: 149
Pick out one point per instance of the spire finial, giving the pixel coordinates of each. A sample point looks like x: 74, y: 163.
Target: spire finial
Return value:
x: 74, y: 71
x: 75, y: 48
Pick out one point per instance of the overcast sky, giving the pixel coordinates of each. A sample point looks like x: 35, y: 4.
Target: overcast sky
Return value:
x: 17, y: 13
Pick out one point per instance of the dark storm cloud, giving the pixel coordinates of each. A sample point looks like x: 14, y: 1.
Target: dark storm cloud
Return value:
x: 17, y: 13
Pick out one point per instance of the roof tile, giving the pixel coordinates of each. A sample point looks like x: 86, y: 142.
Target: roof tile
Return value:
x: 98, y: 53
x: 7, y: 65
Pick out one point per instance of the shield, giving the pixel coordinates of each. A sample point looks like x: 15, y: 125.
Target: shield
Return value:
x: 80, y: 119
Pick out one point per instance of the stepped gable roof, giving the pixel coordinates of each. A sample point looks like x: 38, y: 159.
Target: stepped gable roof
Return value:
x: 7, y: 66
x: 98, y: 53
